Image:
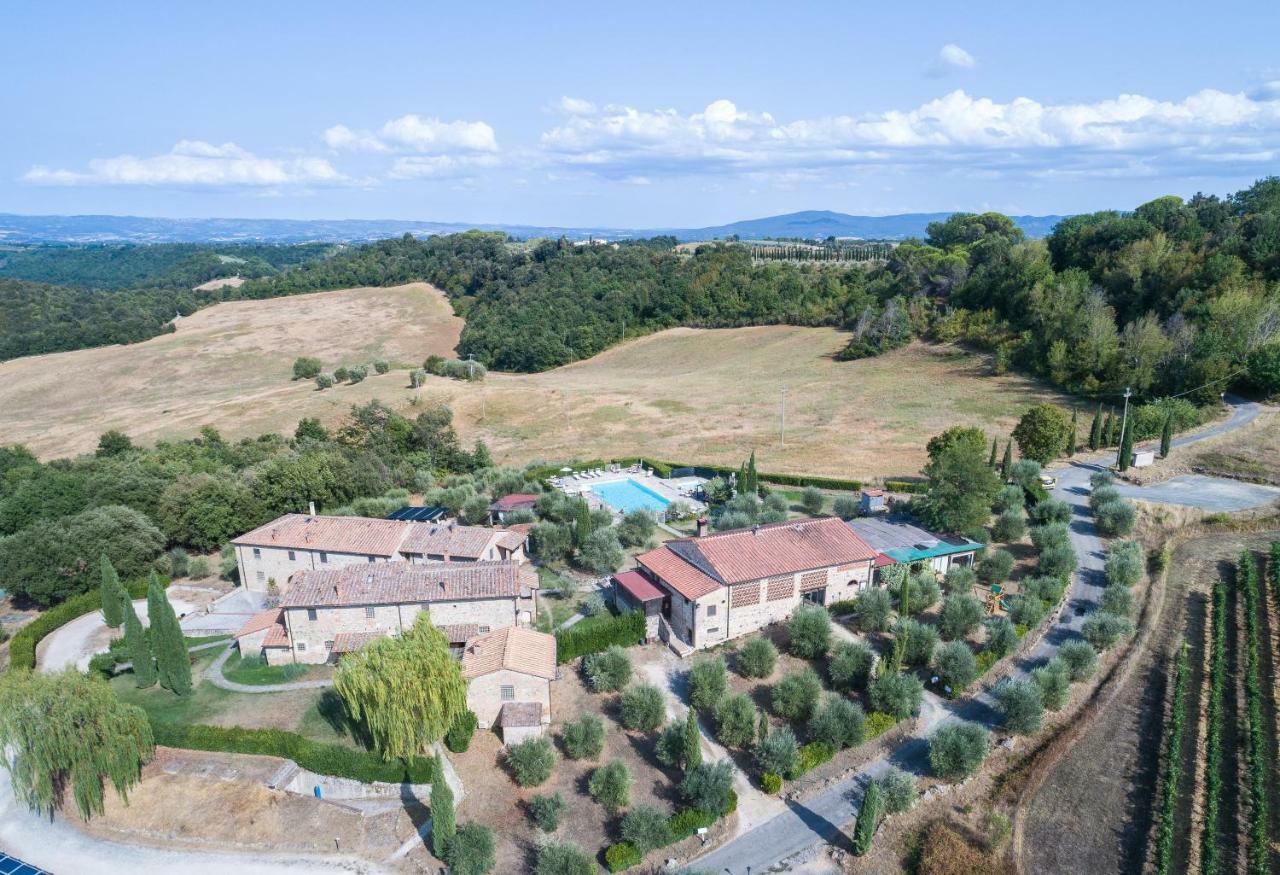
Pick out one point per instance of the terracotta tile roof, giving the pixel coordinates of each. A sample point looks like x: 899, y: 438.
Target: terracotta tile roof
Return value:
x: 399, y: 583
x: 449, y: 539
x: 514, y: 648
x: 334, y: 534
x: 683, y: 577
x: 350, y: 642
x: 512, y: 538
x: 883, y: 559
x: 515, y: 714
x: 514, y: 501
x: 460, y: 633
x: 637, y: 586
x: 695, y: 566
x: 277, y: 636
x: 258, y: 622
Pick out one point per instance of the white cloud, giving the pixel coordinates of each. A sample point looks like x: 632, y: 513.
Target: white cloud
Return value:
x: 1207, y: 129
x: 951, y: 55
x: 440, y: 166
x: 415, y: 134
x: 575, y: 106
x: 195, y: 163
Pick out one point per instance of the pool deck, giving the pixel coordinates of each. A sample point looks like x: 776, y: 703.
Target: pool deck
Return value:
x: 657, y: 485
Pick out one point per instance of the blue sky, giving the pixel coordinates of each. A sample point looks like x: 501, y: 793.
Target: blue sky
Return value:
x: 635, y: 115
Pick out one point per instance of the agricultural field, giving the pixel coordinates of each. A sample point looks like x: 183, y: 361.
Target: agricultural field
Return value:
x: 1151, y: 788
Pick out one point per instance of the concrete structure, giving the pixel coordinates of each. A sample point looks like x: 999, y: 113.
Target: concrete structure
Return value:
x: 872, y: 501
x: 727, y: 584
x: 327, y: 613
x: 509, y: 673
x: 632, y: 591
x: 899, y: 542
x: 269, y: 556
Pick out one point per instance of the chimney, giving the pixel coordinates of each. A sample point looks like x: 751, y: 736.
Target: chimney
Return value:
x: 755, y: 530
x: 702, y: 526
x: 311, y: 508
x: 336, y: 593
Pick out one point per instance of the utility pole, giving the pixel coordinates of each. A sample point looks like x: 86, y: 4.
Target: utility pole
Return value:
x: 1124, y: 422
x: 784, y: 416
x: 471, y: 366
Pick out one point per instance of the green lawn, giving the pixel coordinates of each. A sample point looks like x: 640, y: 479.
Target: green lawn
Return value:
x: 255, y: 671
x: 205, y: 702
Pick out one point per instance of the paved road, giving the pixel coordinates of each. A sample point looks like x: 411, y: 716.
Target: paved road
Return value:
x: 1207, y: 493
x: 76, y: 643
x: 768, y: 847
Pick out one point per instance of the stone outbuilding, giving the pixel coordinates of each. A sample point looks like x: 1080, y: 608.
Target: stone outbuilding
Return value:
x: 509, y: 673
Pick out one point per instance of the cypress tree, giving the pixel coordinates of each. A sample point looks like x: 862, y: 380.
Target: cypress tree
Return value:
x: 864, y: 829
x: 991, y: 462
x: 753, y: 476
x: 113, y: 595
x: 581, y: 523
x: 1109, y: 430
x: 762, y: 728
x: 692, y: 742
x: 135, y: 640
x: 1095, y: 431
x: 444, y: 823
x: 1166, y: 437
x: 172, y: 662
x: 1125, y: 456
x: 1006, y: 464
x: 1071, y: 440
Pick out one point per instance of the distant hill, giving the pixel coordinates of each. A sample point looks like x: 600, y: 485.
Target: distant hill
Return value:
x: 138, y: 229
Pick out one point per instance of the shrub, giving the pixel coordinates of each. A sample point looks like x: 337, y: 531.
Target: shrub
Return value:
x: 811, y: 500
x: 458, y: 738
x: 1048, y: 512
x: 897, y: 695
x: 341, y: 374
x: 306, y: 368
x: 583, y: 738
x: 921, y: 639
x: 1117, y: 600
x: 812, y: 755
x: 1001, y: 637
x: 995, y: 567
x: 357, y: 373
x: 642, y: 707
x: 1027, y: 610
x: 1050, y: 535
x: 669, y: 747
x: 1047, y: 589
x: 1102, y: 495
x: 608, y: 671
x: 563, y: 858
x: 771, y: 783
x: 1021, y: 703
x: 810, y: 631
x: 899, y: 789
x: 592, y: 606
x: 531, y: 761
x: 850, y: 666
x: 778, y: 752
x: 874, y: 609
x: 846, y: 508
x: 757, y: 658
x: 599, y: 633
x: 957, y: 749
x: 546, y: 811
x: 961, y: 614
x: 838, y: 722
x: 1103, y: 630
x: 646, y: 827
x: 869, y: 814
x: 796, y: 695
x: 923, y: 592
x: 956, y: 665
x: 417, y: 378
x: 878, y: 724
x: 1056, y: 562
x: 709, y: 788
x: 735, y: 720
x: 198, y: 568
x: 622, y: 856
x: 1010, y: 525
x: 1124, y: 563
x: 1080, y: 658
x: 708, y: 681
x: 1099, y: 479
x: 610, y: 785
x: 1054, y: 681
x: 381, y: 366
x: 602, y: 552
x: 959, y: 579
x: 471, y: 851
x: 1011, y: 497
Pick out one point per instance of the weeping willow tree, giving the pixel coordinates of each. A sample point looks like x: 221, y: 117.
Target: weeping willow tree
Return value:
x: 406, y: 690
x: 68, y: 731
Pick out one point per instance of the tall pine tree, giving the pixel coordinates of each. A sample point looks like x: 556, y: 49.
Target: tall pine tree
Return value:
x: 991, y: 462
x: 113, y: 595
x: 1071, y: 439
x: 172, y: 662
x: 135, y: 641
x: 444, y: 824
x: 1006, y: 464
x: 1095, y: 431
x: 692, y: 742
x: 1166, y: 437
x: 1124, y: 458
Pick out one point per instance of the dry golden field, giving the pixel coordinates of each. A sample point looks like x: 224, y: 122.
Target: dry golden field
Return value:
x: 682, y: 394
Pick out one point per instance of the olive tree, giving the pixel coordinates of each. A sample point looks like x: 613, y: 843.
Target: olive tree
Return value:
x: 957, y: 749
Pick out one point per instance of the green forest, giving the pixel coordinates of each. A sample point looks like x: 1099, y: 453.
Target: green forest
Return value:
x: 1174, y: 298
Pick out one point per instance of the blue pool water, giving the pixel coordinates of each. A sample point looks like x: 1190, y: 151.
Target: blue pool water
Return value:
x: 628, y: 495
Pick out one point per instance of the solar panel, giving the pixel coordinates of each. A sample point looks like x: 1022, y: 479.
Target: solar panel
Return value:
x: 12, y: 866
x: 414, y: 514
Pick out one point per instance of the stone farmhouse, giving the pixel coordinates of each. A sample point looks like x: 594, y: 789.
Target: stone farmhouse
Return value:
x: 509, y: 673
x: 327, y: 613
x: 721, y: 586
x: 269, y: 556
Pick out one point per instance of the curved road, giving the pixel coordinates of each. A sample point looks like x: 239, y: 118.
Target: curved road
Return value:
x: 769, y: 846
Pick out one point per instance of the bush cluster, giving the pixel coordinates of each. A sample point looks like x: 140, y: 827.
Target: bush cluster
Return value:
x: 595, y: 634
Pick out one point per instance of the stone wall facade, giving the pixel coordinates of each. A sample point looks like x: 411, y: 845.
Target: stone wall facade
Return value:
x: 485, y: 694
x: 261, y: 566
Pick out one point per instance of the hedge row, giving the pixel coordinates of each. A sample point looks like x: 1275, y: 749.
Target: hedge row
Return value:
x: 599, y: 633
x: 915, y: 487
x: 324, y: 759
x: 684, y: 824
x: 1213, y: 741
x: 1172, y: 767
x: 22, y: 649
x: 1255, y: 740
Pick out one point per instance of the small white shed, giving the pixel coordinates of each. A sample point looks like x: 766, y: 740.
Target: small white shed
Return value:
x: 1143, y: 458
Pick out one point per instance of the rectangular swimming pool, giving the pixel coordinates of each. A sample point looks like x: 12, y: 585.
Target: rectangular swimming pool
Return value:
x: 628, y: 495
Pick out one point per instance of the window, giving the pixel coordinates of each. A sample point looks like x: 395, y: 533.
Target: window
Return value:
x: 484, y: 628
x: 711, y: 610
x: 436, y: 557
x: 293, y: 557
x: 302, y: 645
x: 714, y: 630
x: 257, y: 554
x: 373, y: 559
x: 508, y: 693
x: 369, y: 612
x: 311, y: 614
x: 262, y: 577
x: 328, y: 645
x: 324, y: 557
